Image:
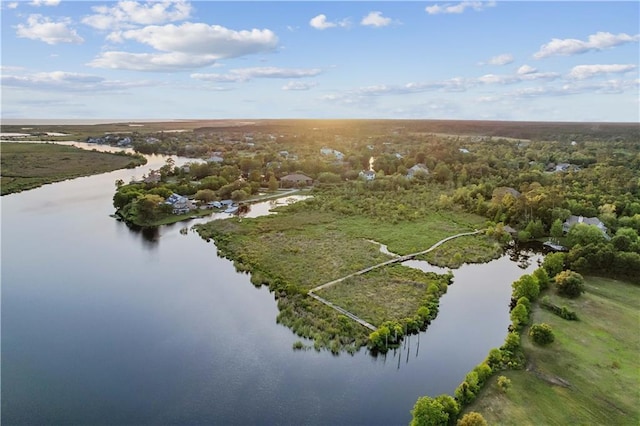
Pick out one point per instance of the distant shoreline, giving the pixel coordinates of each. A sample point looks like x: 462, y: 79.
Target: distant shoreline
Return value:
x: 80, y: 121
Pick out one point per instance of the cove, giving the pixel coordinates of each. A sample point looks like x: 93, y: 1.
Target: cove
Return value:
x: 102, y: 324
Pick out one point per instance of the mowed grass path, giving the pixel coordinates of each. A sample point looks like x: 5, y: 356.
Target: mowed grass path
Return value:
x: 30, y: 165
x: 599, y: 356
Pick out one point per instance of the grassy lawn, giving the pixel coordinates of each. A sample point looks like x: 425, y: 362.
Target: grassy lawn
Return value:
x: 389, y: 293
x: 30, y: 165
x: 588, y: 376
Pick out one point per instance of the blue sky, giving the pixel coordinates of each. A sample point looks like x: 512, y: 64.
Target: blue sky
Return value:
x: 481, y: 60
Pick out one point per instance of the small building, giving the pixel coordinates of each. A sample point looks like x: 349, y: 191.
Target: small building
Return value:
x: 416, y: 170
x: 152, y: 177
x: 594, y: 221
x: 502, y: 191
x: 328, y: 151
x: 215, y: 159
x: 367, y: 175
x: 295, y: 179
x: 463, y: 150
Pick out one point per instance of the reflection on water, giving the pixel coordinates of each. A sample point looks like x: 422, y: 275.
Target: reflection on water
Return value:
x: 105, y: 330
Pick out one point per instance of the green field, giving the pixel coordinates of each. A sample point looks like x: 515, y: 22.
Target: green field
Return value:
x: 386, y: 294
x: 30, y: 165
x: 590, y: 374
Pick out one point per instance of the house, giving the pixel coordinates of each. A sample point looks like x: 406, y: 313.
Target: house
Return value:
x: 594, y: 221
x: 295, y: 179
x: 562, y: 167
x: 329, y: 151
x: 215, y: 159
x: 502, y: 191
x: 153, y: 177
x: 180, y: 203
x: 367, y: 175
x: 416, y: 170
x: 463, y: 150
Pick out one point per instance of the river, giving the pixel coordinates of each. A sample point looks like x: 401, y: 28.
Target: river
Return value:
x: 105, y: 325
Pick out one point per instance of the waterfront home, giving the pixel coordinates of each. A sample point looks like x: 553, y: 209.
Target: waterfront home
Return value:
x: 295, y: 179
x: 593, y: 221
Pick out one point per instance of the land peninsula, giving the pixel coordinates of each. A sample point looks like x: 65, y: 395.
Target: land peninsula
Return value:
x: 31, y: 165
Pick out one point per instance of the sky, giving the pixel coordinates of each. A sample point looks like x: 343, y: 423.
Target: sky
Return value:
x: 471, y: 60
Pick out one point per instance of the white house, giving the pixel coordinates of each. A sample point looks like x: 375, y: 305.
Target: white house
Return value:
x: 367, y: 175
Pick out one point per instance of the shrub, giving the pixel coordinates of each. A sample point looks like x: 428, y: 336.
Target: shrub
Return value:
x: 504, y: 383
x: 569, y: 284
x: 541, y: 334
x: 472, y: 419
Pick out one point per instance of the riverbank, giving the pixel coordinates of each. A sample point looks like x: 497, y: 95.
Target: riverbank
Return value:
x: 30, y: 165
x: 588, y: 375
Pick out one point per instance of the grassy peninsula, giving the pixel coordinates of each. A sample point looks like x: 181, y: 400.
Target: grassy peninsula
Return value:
x: 329, y: 236
x: 30, y: 165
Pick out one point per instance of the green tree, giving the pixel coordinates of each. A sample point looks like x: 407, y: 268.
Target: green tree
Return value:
x: 519, y: 316
x: 442, y: 173
x: 472, y: 418
x: 527, y: 287
x: 541, y: 334
x: 450, y: 406
x: 147, y: 206
x: 542, y: 278
x: 569, y: 284
x: 205, y: 195
x: 584, y: 234
x: 273, y: 183
x: 553, y: 263
x: 428, y: 412
x: 238, y: 195
x: 556, y: 228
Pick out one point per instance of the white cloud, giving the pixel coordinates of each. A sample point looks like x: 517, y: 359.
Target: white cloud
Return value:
x: 39, y: 3
x: 458, y: 8
x: 246, y: 74
x: 67, y: 82
x: 187, y: 46
x: 204, y: 39
x: 581, y: 72
x: 526, y: 69
x: 571, y: 46
x: 12, y: 5
x: 299, y: 85
x: 375, y: 19
x: 174, y: 61
x: 42, y: 28
x: 503, y: 59
x: 126, y: 13
x: 320, y: 22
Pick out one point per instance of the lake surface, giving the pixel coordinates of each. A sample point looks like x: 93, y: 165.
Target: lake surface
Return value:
x: 105, y: 325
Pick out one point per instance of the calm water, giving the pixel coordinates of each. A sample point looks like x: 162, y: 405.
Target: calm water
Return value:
x: 104, y: 325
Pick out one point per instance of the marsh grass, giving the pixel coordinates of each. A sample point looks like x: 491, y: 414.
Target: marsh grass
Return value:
x: 30, y: 165
x: 391, y: 293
